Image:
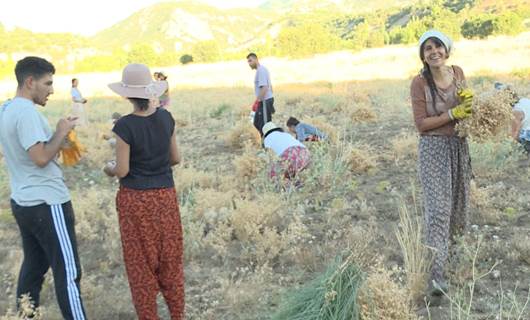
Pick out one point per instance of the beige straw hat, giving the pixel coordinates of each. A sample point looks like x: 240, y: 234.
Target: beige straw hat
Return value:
x: 136, y: 82
x: 269, y: 126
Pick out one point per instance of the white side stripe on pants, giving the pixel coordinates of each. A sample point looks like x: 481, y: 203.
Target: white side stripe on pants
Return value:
x: 69, y: 261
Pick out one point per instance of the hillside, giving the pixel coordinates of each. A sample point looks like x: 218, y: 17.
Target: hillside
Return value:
x: 163, y: 33
x: 344, y: 6
x: 178, y: 25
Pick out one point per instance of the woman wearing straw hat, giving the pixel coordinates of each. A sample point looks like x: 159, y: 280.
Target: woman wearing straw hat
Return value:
x: 147, y: 206
x: 443, y: 158
x: 294, y: 156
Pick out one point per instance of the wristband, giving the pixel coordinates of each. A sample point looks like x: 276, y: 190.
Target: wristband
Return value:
x: 450, y: 115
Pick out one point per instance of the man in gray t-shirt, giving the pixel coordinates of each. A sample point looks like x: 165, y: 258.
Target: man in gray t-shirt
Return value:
x: 40, y: 200
x: 263, y: 92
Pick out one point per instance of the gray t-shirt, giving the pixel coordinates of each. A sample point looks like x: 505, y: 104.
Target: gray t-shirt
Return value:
x: 263, y: 78
x: 21, y: 127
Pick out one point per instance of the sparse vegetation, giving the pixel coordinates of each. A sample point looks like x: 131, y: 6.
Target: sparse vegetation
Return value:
x: 248, y: 244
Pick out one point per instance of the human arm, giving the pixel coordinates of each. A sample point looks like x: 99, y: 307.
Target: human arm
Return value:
x: 42, y: 152
x: 262, y: 82
x: 262, y: 92
x: 517, y: 123
x: 77, y: 97
x: 119, y: 168
x: 174, y: 152
x: 423, y: 121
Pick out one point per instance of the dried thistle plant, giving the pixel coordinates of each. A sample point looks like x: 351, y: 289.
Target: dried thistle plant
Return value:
x: 363, y: 114
x: 492, y: 113
x: 242, y: 134
x: 360, y: 159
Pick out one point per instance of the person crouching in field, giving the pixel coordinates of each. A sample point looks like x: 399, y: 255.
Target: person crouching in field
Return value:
x: 147, y: 205
x: 444, y: 163
x: 294, y: 156
x: 303, y: 131
x: 521, y: 117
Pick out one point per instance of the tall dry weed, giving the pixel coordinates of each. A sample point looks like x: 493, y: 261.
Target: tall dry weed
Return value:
x: 404, y: 146
x: 416, y: 256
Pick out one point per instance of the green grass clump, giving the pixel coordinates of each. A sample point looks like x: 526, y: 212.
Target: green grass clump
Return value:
x: 331, y: 296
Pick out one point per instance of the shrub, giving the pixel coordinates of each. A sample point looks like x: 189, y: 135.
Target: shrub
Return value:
x: 206, y: 51
x: 306, y: 39
x: 185, y: 59
x: 360, y: 159
x: 380, y: 298
x: 241, y: 134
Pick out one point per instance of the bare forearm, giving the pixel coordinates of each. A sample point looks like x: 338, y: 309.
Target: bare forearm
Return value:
x: 432, y: 123
x: 43, y: 153
x: 515, y: 133
x: 52, y: 147
x: 262, y: 93
x: 174, y: 152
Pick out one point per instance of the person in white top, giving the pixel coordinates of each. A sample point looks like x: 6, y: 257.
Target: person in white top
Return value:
x: 294, y: 156
x: 521, y: 117
x: 78, y: 108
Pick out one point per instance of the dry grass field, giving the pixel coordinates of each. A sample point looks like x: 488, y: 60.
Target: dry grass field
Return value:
x: 248, y: 244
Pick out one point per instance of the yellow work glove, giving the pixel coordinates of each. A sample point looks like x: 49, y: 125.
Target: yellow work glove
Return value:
x: 461, y: 111
x: 465, y: 94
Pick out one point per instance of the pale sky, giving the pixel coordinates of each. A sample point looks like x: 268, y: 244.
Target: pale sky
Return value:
x: 85, y: 17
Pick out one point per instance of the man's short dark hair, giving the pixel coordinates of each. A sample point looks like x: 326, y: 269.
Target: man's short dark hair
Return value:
x: 252, y: 55
x: 292, y: 122
x: 32, y: 67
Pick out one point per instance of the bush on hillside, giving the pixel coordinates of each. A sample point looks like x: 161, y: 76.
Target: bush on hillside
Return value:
x: 206, y: 51
x: 185, y: 59
x: 142, y: 53
x: 306, y: 39
x: 485, y: 25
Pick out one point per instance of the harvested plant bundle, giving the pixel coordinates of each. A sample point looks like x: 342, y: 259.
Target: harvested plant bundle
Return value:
x: 72, y: 150
x: 331, y: 296
x: 492, y: 112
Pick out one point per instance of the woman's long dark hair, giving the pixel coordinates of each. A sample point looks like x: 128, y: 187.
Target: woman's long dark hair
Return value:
x: 426, y: 71
x: 142, y: 104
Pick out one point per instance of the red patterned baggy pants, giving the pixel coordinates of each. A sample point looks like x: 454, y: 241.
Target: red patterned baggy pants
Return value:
x: 151, y: 236
x: 292, y: 161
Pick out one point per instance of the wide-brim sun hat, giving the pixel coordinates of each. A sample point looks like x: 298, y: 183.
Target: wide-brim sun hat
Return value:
x: 448, y: 43
x: 268, y: 127
x: 137, y: 82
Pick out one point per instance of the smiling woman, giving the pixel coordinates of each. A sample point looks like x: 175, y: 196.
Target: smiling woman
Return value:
x: 444, y: 162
